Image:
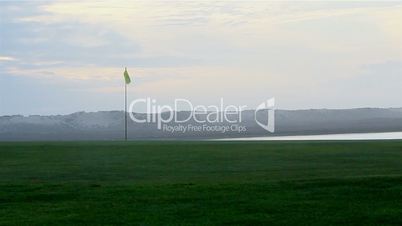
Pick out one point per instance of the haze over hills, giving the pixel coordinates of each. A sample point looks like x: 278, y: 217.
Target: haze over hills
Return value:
x: 109, y: 125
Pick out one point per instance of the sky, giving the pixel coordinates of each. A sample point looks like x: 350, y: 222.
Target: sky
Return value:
x: 60, y: 57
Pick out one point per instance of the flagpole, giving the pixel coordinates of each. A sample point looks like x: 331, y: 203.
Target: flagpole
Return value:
x: 125, y: 111
x: 127, y: 80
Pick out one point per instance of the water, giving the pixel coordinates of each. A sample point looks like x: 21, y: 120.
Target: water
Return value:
x: 346, y: 136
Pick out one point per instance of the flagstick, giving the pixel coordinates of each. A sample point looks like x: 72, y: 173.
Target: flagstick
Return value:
x: 125, y: 111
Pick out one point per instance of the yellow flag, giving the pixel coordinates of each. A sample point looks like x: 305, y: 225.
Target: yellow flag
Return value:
x: 126, y: 77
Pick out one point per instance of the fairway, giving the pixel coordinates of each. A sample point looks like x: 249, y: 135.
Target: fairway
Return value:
x: 201, y: 183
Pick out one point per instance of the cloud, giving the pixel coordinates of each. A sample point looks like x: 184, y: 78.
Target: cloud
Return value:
x: 7, y: 58
x: 74, y: 73
x: 210, y: 30
x: 174, y: 29
x: 301, y: 52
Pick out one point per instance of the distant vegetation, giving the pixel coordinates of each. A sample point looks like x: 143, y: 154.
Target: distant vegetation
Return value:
x: 109, y: 125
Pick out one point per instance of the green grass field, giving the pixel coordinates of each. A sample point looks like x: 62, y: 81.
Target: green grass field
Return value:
x: 201, y: 183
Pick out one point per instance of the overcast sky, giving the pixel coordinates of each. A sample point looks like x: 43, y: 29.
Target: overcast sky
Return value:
x: 62, y: 57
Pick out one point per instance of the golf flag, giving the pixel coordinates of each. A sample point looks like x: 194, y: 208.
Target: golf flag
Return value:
x: 127, y: 81
x: 127, y: 77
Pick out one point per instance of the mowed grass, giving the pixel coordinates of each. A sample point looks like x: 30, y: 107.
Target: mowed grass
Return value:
x: 201, y: 183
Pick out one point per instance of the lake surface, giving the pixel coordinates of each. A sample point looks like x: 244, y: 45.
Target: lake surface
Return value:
x: 346, y: 136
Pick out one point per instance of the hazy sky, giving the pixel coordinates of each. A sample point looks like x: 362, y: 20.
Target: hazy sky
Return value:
x: 62, y: 57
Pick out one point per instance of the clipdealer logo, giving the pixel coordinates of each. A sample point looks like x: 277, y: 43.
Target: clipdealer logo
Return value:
x: 200, y: 118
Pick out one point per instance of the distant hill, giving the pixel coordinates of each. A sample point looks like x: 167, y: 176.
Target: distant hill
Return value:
x: 109, y: 125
